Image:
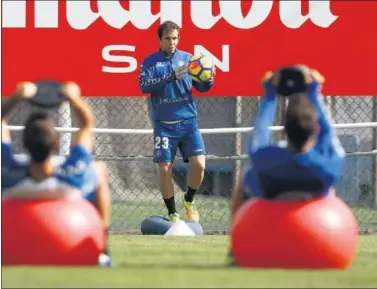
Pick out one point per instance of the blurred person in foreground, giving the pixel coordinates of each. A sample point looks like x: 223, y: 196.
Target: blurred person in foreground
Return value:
x: 311, y: 163
x: 165, y: 77
x: 40, y: 177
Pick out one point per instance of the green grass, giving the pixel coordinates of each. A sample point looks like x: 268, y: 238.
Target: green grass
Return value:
x: 214, y: 212
x: 129, y: 215
x: 191, y: 262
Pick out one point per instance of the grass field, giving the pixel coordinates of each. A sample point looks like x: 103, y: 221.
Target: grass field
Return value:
x: 214, y: 213
x: 190, y: 262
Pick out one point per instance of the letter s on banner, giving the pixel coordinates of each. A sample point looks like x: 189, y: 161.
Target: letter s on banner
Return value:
x: 96, y: 42
x: 106, y: 55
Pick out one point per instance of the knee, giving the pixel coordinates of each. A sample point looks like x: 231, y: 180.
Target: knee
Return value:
x: 198, y: 164
x: 101, y: 170
x: 166, y: 168
x: 99, y: 165
x: 102, y: 190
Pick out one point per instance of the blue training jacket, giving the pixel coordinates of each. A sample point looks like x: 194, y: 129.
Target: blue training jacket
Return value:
x: 275, y: 170
x: 171, y: 98
x: 76, y: 171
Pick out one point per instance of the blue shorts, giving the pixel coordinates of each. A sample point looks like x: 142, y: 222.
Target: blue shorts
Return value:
x: 251, y: 188
x: 184, y: 135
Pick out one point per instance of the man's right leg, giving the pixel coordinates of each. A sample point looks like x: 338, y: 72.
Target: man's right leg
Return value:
x: 167, y: 189
x: 165, y: 147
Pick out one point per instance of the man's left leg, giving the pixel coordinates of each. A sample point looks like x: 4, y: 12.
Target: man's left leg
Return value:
x: 193, y: 149
x: 195, y: 178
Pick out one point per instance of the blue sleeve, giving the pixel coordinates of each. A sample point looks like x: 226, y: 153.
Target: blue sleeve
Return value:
x: 78, y: 170
x: 7, y: 159
x: 203, y: 86
x: 336, y: 165
x: 250, y: 185
x: 148, y: 83
x: 327, y: 141
x: 79, y: 154
x: 260, y: 136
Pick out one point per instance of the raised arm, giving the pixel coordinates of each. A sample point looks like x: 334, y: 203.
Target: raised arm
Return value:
x: 23, y: 91
x: 327, y: 140
x: 82, y: 112
x: 260, y: 136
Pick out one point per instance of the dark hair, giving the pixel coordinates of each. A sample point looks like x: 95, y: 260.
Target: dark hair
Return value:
x: 40, y: 137
x: 167, y: 26
x: 301, y: 120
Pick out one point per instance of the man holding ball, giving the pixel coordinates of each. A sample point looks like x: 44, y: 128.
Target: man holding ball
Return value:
x: 164, y: 75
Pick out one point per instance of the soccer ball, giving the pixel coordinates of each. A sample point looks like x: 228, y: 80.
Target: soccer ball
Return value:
x: 200, y: 68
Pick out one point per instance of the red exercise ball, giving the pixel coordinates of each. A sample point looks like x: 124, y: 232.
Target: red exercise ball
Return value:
x: 316, y: 234
x: 60, y: 231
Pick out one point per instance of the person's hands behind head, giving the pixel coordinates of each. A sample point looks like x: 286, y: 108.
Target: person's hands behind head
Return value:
x: 312, y: 75
x: 314, y: 80
x: 272, y: 78
x: 71, y: 91
x: 292, y: 79
x: 25, y: 90
x: 270, y: 81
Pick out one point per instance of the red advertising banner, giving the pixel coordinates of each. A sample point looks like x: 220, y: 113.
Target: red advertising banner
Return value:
x: 101, y: 44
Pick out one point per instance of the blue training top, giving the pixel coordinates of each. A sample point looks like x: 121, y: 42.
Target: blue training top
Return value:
x: 75, y: 172
x: 171, y: 98
x: 275, y: 170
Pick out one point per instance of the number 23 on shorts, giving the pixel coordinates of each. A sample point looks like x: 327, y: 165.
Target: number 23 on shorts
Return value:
x: 161, y: 142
